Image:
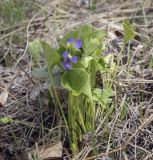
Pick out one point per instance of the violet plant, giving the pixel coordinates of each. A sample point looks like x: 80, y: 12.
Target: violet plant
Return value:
x: 78, y: 59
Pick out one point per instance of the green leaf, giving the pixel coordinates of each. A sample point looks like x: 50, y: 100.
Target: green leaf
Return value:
x: 75, y: 81
x: 87, y: 88
x: 78, y: 65
x: 101, y: 64
x: 85, y: 30
x: 93, y: 71
x: 93, y: 43
x: 81, y: 32
x: 100, y: 35
x: 90, y: 46
x: 40, y: 72
x: 56, y: 75
x: 123, y: 112
x: 102, y: 95
x: 86, y: 61
x: 128, y: 31
x: 35, y: 49
x: 106, y: 94
x: 97, y: 94
x: 5, y: 120
x: 51, y: 55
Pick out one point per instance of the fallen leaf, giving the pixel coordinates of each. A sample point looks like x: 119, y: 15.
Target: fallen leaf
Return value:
x: 137, y: 68
x: 52, y: 151
x: 3, y: 97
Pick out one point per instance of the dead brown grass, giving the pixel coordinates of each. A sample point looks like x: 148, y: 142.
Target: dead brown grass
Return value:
x: 33, y: 114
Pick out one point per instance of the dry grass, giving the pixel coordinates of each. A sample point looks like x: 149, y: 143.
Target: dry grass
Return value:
x: 130, y: 138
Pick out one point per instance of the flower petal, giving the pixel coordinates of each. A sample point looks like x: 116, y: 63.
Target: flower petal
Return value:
x: 78, y: 43
x: 65, y: 55
x: 67, y: 66
x: 69, y: 40
x: 74, y: 59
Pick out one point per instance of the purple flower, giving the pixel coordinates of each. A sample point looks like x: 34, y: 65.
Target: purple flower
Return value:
x: 68, y: 60
x: 77, y: 43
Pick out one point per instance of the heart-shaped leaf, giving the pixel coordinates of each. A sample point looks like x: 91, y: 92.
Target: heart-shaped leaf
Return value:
x: 75, y: 80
